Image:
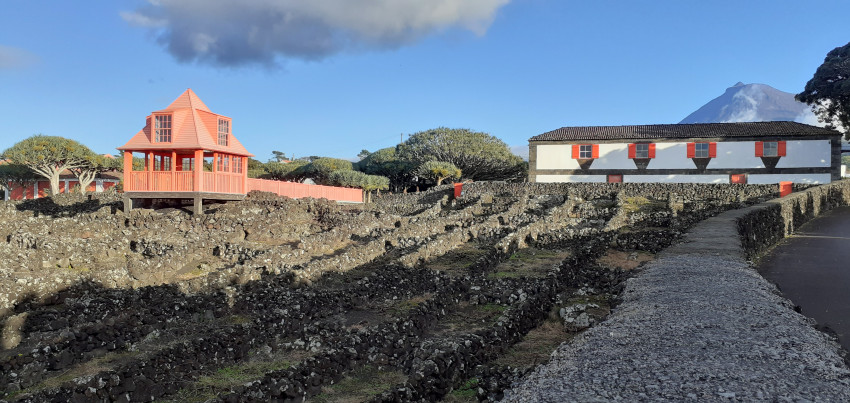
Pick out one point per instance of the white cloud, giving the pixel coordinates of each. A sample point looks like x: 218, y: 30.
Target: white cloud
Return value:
x: 14, y: 58
x: 808, y: 117
x: 259, y: 31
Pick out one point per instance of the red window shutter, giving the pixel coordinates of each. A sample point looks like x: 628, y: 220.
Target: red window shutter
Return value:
x: 692, y: 150
x: 576, y: 149
x: 596, y: 151
x: 632, y: 148
x: 780, y: 148
x: 759, y: 148
x: 652, y: 150
x: 712, y: 150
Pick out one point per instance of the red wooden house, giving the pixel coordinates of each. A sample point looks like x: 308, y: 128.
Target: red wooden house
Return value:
x: 191, y: 153
x: 175, y: 142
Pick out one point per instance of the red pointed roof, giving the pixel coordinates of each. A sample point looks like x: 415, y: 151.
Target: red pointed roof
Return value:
x: 193, y: 127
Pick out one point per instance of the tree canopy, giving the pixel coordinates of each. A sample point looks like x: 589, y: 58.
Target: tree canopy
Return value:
x: 95, y: 165
x: 357, y: 179
x: 478, y: 155
x: 282, y: 170
x: 48, y: 156
x: 15, y: 173
x: 438, y: 171
x: 385, y: 162
x: 829, y: 90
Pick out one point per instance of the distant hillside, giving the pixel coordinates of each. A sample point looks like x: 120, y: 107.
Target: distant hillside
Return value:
x: 753, y: 103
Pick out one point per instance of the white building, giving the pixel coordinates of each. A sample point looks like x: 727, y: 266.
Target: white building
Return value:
x: 754, y: 152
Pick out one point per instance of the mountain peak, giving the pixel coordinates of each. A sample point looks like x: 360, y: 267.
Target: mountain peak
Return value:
x: 752, y: 103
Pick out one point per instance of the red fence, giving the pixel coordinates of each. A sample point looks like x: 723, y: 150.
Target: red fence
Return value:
x: 299, y: 190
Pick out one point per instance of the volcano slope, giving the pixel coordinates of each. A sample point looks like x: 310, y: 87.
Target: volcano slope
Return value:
x: 414, y: 297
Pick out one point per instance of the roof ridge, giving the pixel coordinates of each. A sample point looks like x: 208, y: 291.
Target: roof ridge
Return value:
x: 683, y: 130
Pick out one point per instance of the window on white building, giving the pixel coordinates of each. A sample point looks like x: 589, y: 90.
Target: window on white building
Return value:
x: 585, y: 151
x: 642, y: 150
x: 770, y: 149
x: 701, y: 150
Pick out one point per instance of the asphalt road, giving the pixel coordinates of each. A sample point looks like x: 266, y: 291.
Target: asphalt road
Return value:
x: 812, y: 268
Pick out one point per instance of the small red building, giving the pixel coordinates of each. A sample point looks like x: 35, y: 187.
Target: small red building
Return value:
x: 175, y: 143
x: 191, y: 153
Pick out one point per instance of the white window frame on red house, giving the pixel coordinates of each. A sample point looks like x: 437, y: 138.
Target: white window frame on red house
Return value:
x: 237, y: 165
x: 223, y: 132
x: 162, y: 128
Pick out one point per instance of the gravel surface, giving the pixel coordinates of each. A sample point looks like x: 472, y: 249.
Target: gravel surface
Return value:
x: 698, y: 324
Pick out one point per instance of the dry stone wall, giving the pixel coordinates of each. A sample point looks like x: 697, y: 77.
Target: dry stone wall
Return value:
x: 768, y: 223
x: 272, y: 274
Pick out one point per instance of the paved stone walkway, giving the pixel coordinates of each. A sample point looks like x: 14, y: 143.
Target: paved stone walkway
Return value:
x: 698, y: 324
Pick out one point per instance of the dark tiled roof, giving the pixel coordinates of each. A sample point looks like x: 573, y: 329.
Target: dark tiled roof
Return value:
x: 684, y: 131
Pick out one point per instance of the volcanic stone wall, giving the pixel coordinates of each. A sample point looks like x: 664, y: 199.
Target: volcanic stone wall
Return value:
x: 769, y: 222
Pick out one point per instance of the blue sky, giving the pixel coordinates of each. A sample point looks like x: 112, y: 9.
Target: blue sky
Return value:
x: 322, y: 80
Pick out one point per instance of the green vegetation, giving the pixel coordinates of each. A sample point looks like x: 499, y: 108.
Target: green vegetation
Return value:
x: 16, y: 174
x: 529, y: 254
x: 468, y: 392
x: 478, y: 155
x: 438, y: 171
x: 360, y: 385
x: 828, y: 92
x: 284, y: 170
x: 846, y: 160
x: 209, y: 386
x: 95, y: 165
x: 385, y: 162
x: 640, y: 203
x: 48, y: 156
x: 491, y: 308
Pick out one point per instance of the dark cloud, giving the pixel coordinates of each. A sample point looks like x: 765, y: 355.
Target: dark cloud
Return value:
x: 251, y: 32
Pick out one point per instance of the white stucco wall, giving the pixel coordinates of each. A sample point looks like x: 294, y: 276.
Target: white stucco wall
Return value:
x: 796, y: 178
x: 571, y: 178
x: 556, y: 156
x: 674, y: 155
x: 676, y: 178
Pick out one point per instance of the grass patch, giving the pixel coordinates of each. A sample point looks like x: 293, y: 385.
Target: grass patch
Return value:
x: 640, y: 203
x: 468, y: 317
x: 537, y: 346
x: 359, y: 385
x: 468, y: 392
x: 491, y: 308
x: 91, y: 367
x: 529, y: 262
x: 459, y: 260
x: 402, y: 308
x: 625, y: 260
x: 211, y: 385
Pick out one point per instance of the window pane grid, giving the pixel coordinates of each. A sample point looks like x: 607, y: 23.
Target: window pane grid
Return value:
x: 237, y: 165
x: 770, y: 149
x: 223, y: 131
x: 701, y: 150
x: 585, y: 151
x: 162, y: 124
x: 641, y: 150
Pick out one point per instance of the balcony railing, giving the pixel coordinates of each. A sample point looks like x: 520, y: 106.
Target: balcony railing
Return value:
x: 182, y: 181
